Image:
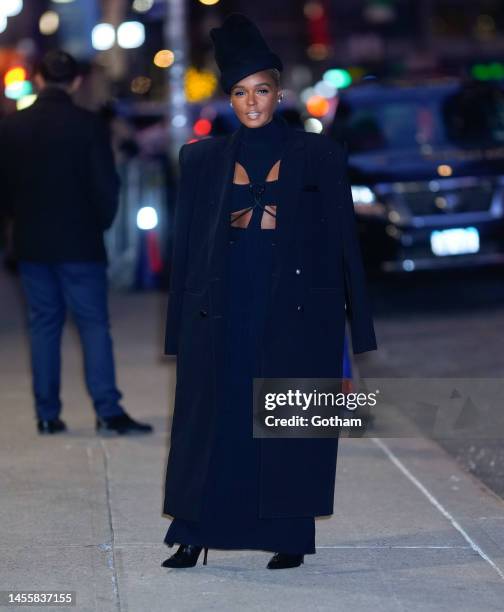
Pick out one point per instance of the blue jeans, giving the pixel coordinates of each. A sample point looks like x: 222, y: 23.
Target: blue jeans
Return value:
x: 82, y: 288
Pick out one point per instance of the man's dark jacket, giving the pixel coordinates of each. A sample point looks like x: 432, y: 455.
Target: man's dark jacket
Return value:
x: 59, y: 181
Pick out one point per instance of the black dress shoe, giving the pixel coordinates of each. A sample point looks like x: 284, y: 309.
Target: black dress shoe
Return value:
x: 50, y: 426
x: 284, y: 561
x: 186, y: 556
x: 122, y: 424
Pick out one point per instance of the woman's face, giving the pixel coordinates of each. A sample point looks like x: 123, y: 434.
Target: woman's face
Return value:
x: 255, y: 98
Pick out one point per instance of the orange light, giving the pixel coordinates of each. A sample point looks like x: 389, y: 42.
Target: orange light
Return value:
x: 444, y: 170
x: 318, y: 106
x: 164, y: 58
x: 14, y: 75
x: 202, y: 127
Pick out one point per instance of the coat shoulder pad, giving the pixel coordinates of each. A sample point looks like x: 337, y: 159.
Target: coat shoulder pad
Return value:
x: 322, y: 146
x: 194, y: 152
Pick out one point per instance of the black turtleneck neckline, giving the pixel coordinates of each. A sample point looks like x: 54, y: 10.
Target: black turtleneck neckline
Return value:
x: 261, y: 147
x: 272, y: 131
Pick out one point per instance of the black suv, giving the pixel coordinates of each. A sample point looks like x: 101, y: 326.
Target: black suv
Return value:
x: 426, y: 165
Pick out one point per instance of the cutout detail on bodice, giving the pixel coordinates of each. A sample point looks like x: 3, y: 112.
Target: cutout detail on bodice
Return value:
x: 241, y: 218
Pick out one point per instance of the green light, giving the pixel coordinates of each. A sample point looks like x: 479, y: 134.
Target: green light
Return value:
x: 337, y: 77
x: 486, y: 72
x: 18, y: 89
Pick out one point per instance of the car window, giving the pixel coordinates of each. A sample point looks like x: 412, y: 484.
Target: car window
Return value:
x: 475, y: 116
x: 472, y: 116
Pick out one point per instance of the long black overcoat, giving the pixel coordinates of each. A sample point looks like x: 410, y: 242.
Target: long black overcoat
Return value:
x: 317, y: 279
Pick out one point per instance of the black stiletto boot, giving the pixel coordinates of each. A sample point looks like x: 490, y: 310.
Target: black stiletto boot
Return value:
x: 284, y: 561
x: 186, y: 556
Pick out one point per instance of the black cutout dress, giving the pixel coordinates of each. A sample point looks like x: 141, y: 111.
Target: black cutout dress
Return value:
x: 230, y: 511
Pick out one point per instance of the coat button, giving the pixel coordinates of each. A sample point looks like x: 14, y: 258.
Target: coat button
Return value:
x: 298, y: 270
x: 300, y: 307
x: 203, y: 313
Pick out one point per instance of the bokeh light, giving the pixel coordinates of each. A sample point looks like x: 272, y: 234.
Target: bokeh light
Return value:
x: 147, y: 218
x: 15, y: 91
x: 14, y: 75
x: 318, y: 51
x: 103, y: 36
x: 325, y: 89
x: 317, y: 106
x: 142, y: 6
x: 179, y: 121
x: 11, y: 8
x: 199, y: 84
x: 202, y: 127
x: 306, y: 94
x: 141, y: 85
x: 313, y: 10
x: 338, y: 77
x: 313, y: 125
x: 209, y: 2
x: 25, y: 101
x: 131, y: 35
x: 49, y: 23
x: 164, y: 58
x: 444, y: 170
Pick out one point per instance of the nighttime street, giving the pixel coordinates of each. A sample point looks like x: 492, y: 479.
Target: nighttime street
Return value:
x: 84, y: 514
x: 202, y: 195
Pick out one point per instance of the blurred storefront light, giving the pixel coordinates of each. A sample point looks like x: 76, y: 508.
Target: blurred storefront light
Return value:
x: 49, y: 23
x: 325, y: 89
x: 11, y: 8
x: 337, y: 77
x: 17, y: 90
x: 179, y: 121
x: 313, y: 10
x: 147, y: 218
x: 141, y: 85
x: 131, y: 35
x: 142, y: 6
x: 103, y: 36
x: 444, y: 170
x: 209, y: 2
x: 199, y: 84
x: 202, y: 127
x: 16, y: 74
x: 164, y: 58
x: 317, y: 106
x: 25, y: 101
x: 306, y: 94
x: 363, y: 195
x: 487, y: 72
x: 318, y: 51
x: 313, y: 125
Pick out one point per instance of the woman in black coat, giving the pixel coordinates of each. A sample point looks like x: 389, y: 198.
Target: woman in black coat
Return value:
x: 266, y: 264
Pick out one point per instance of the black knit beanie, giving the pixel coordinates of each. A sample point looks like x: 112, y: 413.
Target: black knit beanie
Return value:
x: 241, y: 50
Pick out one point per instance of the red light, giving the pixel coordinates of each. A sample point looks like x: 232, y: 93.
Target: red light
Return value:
x: 202, y: 127
x: 191, y: 140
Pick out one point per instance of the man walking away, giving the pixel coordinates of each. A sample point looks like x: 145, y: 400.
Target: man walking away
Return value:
x: 60, y: 187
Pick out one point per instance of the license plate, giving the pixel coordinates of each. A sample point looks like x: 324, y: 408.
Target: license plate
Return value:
x: 455, y: 241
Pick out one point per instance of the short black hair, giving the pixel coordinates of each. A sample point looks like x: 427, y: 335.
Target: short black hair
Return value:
x: 58, y: 67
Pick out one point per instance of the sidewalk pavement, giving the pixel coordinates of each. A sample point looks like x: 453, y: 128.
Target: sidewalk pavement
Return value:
x: 411, y: 531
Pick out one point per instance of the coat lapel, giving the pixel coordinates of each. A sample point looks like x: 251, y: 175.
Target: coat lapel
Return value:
x: 290, y: 182
x: 224, y: 172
